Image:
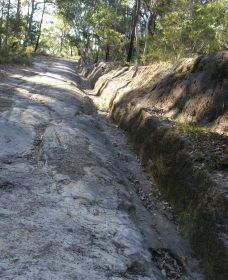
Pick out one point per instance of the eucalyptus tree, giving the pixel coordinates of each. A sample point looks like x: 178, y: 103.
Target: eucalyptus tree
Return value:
x: 135, y: 17
x: 123, y: 30
x: 40, y: 26
x: 99, y: 26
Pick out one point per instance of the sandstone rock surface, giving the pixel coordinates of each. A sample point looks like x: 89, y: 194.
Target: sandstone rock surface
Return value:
x: 67, y: 207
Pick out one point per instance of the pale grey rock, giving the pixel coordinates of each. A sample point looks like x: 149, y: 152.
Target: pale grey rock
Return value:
x: 15, y: 138
x: 67, y: 209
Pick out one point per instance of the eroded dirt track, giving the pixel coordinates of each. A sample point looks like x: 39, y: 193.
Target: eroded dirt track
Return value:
x: 68, y: 206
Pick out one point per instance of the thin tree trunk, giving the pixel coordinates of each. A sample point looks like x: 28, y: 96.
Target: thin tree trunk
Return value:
x: 27, y: 23
x: 18, y: 19
x: 30, y: 22
x: 107, y: 52
x: 88, y: 44
x: 97, y: 43
x: 7, y: 24
x: 27, y: 19
x: 135, y: 17
x: 146, y: 36
x: 40, y: 27
x: 61, y: 42
x: 1, y: 23
x: 137, y: 41
x: 97, y: 55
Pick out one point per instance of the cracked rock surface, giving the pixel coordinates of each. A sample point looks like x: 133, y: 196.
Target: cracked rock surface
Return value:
x: 67, y: 207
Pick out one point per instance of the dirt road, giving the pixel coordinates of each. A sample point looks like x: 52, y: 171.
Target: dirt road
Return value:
x: 68, y: 202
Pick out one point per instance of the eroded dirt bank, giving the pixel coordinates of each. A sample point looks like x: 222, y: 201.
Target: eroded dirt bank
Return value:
x: 71, y: 197
x: 192, y: 89
x: 146, y: 102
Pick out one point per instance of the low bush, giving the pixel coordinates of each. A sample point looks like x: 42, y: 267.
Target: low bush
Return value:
x: 17, y: 56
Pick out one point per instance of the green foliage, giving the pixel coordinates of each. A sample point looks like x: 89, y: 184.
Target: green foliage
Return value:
x: 19, y: 56
x: 103, y: 29
x: 99, y: 27
x: 166, y: 29
x: 190, y: 127
x: 15, y: 33
x: 185, y: 30
x: 57, y: 40
x: 214, y: 162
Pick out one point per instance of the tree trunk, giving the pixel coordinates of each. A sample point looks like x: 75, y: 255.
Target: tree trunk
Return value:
x: 146, y: 36
x: 30, y: 22
x: 137, y: 41
x: 135, y: 17
x: 107, y: 52
x: 97, y: 43
x: 97, y: 55
x: 7, y: 24
x: 88, y: 45
x: 61, y: 42
x: 40, y: 27
x: 18, y: 19
x: 28, y: 12
x: 1, y: 23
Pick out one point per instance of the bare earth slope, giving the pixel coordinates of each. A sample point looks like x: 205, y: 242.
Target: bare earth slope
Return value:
x: 191, y: 89
x: 68, y: 206
x: 176, y: 117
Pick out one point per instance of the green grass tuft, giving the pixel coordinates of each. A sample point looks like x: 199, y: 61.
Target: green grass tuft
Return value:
x: 190, y: 127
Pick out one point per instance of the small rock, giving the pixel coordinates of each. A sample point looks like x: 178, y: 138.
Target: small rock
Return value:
x: 96, y: 212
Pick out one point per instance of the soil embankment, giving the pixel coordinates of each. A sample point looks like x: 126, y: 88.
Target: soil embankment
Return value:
x: 171, y: 111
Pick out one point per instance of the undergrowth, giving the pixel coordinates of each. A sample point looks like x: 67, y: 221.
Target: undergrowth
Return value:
x: 191, y: 127
x: 16, y: 56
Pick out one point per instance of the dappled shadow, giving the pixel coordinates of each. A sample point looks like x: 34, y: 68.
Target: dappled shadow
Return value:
x: 198, y: 93
x: 6, y: 93
x: 49, y: 99
x: 204, y: 93
x: 43, y: 71
x: 62, y: 67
